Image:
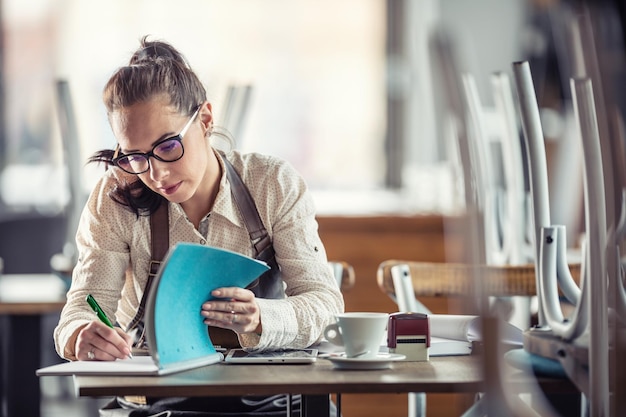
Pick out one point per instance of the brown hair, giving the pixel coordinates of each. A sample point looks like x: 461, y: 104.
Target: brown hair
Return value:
x: 156, y: 69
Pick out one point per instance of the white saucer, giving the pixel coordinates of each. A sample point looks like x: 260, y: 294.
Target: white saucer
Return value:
x: 381, y: 361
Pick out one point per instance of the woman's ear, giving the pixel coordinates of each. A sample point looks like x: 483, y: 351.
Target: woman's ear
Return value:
x: 206, y: 117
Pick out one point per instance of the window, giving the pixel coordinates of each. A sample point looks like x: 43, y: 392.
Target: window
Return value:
x: 316, y: 68
x: 344, y: 90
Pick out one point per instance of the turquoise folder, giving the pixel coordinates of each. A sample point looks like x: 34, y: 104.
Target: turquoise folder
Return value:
x: 177, y: 337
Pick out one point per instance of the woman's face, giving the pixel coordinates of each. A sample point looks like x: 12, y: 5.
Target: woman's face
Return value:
x: 140, y: 126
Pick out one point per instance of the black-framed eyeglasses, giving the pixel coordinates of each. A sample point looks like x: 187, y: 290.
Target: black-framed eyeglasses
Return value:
x: 167, y: 150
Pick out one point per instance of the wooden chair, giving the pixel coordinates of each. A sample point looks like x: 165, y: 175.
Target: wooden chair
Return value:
x: 455, y: 279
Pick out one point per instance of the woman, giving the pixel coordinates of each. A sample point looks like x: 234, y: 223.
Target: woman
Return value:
x: 159, y: 114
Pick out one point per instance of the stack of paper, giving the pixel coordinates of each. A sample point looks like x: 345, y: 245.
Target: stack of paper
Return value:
x: 456, y: 334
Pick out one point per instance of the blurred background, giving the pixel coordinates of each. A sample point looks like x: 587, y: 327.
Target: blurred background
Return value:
x: 343, y: 90
x: 347, y: 91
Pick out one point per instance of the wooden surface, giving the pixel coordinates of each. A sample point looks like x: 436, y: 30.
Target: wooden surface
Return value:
x: 437, y: 376
x: 451, y: 374
x: 23, y: 309
x: 365, y: 242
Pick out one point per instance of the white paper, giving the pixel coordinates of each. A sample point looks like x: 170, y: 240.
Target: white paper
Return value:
x: 451, y: 326
x: 448, y: 347
x: 468, y: 328
x: 138, y: 365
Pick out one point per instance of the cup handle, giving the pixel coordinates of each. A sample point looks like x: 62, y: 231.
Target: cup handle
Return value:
x: 333, y: 335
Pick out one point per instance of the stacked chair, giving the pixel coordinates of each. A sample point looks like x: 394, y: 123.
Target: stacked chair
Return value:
x: 513, y: 247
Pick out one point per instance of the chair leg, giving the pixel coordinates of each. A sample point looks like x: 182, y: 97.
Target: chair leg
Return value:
x: 417, y: 404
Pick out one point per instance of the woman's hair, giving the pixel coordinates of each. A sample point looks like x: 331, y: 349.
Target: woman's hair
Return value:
x: 156, y: 69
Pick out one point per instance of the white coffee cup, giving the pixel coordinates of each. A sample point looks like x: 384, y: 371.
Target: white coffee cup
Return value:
x: 359, y: 333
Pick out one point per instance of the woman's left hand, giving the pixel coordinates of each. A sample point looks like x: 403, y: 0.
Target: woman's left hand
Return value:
x: 235, y: 308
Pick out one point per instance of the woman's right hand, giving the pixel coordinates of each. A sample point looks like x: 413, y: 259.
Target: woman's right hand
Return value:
x: 97, y: 341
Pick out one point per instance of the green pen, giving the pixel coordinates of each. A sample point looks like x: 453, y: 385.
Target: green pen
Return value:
x: 100, y: 313
x: 94, y: 305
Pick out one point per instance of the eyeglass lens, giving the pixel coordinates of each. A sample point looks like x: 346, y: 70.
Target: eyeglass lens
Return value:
x: 169, y: 150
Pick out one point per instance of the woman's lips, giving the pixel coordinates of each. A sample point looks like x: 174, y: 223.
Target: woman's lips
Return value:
x: 169, y: 190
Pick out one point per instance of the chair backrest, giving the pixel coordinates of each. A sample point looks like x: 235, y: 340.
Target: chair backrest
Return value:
x: 344, y: 274
x: 71, y: 148
x: 404, y: 290
x: 236, y: 109
x: 431, y: 279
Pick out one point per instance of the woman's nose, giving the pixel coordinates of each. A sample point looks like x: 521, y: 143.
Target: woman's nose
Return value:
x: 158, y: 170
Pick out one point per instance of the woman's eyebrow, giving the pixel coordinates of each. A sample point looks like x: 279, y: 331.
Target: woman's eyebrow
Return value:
x: 166, y: 135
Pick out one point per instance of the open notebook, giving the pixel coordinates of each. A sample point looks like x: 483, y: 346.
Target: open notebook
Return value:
x: 177, y: 337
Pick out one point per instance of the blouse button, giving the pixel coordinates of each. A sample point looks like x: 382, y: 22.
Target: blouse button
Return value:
x: 202, y: 242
